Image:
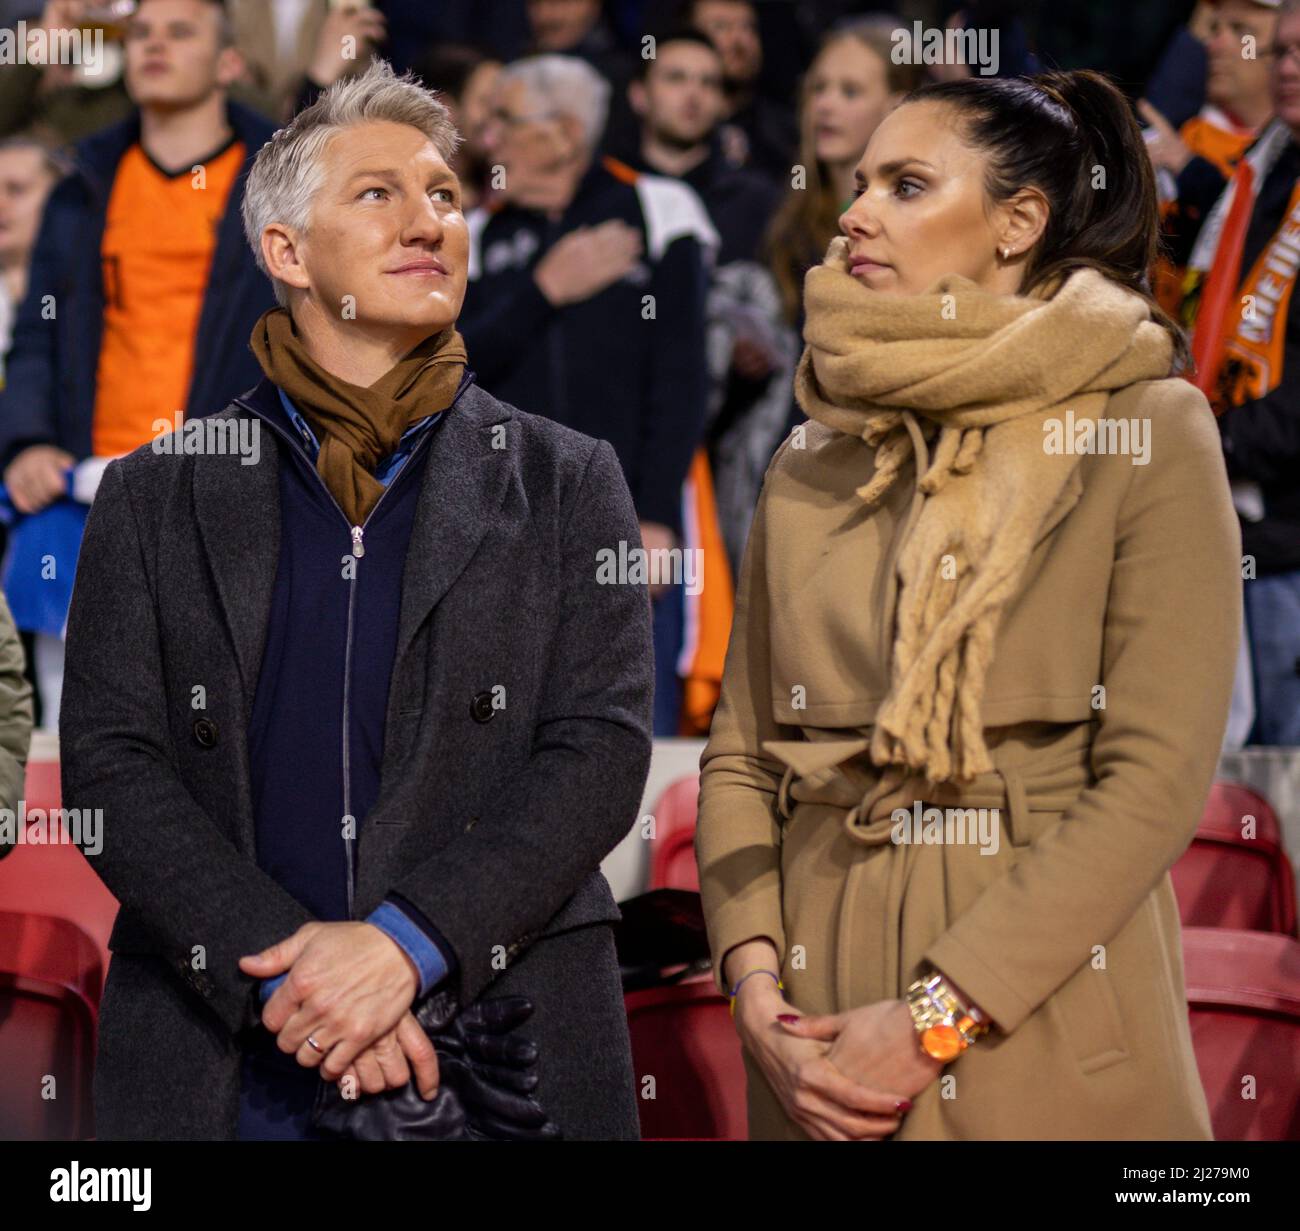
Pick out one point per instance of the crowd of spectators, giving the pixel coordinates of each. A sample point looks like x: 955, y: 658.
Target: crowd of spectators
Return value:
x: 646, y: 183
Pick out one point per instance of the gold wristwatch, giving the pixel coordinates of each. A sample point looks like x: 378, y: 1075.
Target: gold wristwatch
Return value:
x: 946, y: 1026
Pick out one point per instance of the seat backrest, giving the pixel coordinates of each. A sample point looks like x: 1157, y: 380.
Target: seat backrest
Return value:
x: 672, y: 854
x: 50, y: 975
x: 690, y: 1078
x: 56, y: 878
x: 674, y: 866
x: 1243, y: 994
x: 1226, y: 879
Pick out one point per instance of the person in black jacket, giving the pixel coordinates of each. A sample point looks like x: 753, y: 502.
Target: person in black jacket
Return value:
x: 1259, y: 402
x: 760, y: 131
x: 679, y: 98
x: 1261, y: 446
x: 561, y: 261
x: 403, y: 762
x: 586, y: 298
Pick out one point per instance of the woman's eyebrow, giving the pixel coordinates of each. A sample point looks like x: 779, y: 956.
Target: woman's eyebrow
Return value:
x: 897, y: 164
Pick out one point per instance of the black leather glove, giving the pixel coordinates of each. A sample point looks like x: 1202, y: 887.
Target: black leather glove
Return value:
x: 494, y: 1071
x: 487, y: 1077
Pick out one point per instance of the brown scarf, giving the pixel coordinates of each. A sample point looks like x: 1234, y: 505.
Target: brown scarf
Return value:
x: 358, y: 427
x: 984, y: 373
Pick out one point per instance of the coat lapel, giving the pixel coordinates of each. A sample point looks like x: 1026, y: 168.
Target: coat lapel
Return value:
x: 1066, y: 501
x: 238, y: 510
x: 464, y: 486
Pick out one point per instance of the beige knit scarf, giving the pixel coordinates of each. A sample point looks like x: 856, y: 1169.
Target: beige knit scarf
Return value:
x: 984, y: 373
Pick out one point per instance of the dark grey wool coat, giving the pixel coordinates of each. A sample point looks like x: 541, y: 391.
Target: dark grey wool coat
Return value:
x: 494, y: 830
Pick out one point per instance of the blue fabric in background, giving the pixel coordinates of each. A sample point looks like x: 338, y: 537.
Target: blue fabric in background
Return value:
x: 1273, y: 617
x: 41, y: 563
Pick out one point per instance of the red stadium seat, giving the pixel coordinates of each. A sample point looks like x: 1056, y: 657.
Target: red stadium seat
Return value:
x: 1243, y: 994
x: 1225, y: 880
x: 683, y: 1038
x: 50, y: 976
x: 57, y: 879
x: 672, y: 859
x: 44, y: 790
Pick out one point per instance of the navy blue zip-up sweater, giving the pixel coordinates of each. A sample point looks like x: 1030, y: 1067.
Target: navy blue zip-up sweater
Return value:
x: 330, y: 643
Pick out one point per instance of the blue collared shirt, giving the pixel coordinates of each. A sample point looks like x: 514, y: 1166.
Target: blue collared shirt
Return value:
x: 387, y: 469
x: 389, y: 916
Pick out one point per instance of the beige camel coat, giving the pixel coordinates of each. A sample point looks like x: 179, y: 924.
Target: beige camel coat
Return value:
x: 1105, y: 707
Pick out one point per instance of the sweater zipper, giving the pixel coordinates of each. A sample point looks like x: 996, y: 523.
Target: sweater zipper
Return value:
x: 358, y: 550
x: 356, y: 540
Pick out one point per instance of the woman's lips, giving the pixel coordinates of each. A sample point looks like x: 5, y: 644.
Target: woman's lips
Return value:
x: 865, y: 267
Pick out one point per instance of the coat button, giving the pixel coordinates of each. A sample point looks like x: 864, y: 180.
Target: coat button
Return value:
x: 482, y: 708
x: 205, y: 731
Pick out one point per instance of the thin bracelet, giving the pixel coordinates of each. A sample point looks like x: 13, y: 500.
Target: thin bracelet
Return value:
x: 760, y: 971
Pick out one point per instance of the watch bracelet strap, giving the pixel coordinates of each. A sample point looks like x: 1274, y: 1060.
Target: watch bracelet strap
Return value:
x: 932, y: 1003
x: 960, y: 1009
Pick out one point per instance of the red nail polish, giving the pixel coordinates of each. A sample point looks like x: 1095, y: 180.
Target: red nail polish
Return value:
x: 787, y: 1019
x: 904, y: 1105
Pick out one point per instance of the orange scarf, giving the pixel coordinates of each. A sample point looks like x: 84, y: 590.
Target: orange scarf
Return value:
x: 1238, y: 346
x: 1252, y: 352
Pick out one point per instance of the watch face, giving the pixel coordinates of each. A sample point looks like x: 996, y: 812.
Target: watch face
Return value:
x: 942, y: 1042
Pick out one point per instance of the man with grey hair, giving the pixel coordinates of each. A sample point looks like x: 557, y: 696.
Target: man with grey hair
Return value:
x: 588, y: 283
x: 357, y: 762
x: 582, y: 29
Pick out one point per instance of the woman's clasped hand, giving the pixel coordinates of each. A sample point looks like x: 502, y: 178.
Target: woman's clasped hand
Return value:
x: 843, y: 1076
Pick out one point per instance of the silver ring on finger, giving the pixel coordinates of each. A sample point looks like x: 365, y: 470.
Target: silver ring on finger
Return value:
x: 316, y: 1047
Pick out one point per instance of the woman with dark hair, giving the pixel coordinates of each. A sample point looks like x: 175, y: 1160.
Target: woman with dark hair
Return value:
x: 852, y: 83
x: 983, y: 652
